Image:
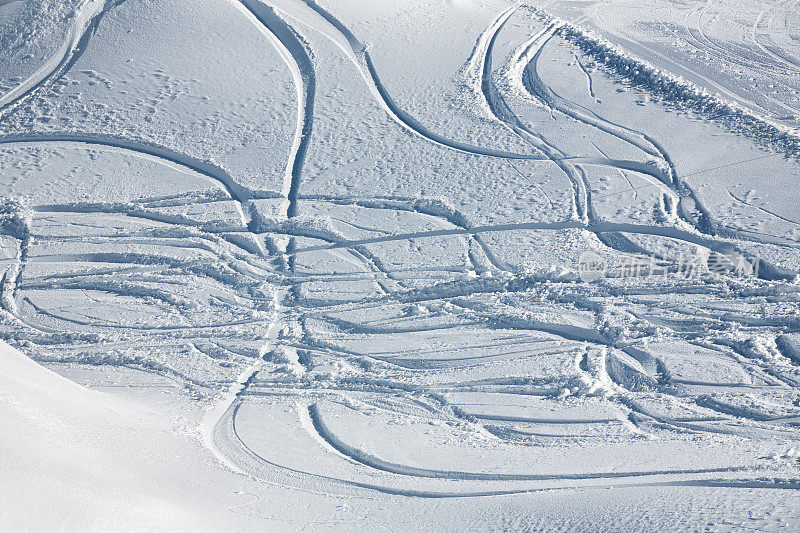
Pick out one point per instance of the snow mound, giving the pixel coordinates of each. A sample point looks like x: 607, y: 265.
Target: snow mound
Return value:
x: 68, y: 455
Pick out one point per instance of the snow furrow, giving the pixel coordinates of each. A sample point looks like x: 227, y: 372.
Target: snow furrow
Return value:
x: 293, y: 50
x: 503, y: 113
x: 236, y: 191
x: 386, y: 466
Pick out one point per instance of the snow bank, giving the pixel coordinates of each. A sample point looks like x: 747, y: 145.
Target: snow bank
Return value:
x: 677, y: 91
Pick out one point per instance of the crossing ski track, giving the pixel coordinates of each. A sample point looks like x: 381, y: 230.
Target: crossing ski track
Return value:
x: 620, y: 368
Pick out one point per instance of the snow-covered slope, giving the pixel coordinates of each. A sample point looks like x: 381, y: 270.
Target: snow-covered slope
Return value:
x: 73, y: 457
x: 423, y: 264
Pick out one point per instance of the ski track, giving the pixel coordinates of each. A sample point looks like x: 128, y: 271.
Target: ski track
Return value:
x: 86, y: 24
x: 238, y: 193
x: 359, y: 55
x: 294, y: 52
x: 503, y: 113
x: 240, y: 457
x: 537, y: 88
x: 763, y: 210
x: 219, y: 430
x: 379, y: 464
x: 790, y: 63
x: 690, y: 209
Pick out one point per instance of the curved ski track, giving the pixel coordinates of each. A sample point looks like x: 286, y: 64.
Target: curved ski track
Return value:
x: 293, y: 50
x: 87, y: 21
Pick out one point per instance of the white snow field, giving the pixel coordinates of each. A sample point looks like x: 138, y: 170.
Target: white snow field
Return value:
x: 418, y: 265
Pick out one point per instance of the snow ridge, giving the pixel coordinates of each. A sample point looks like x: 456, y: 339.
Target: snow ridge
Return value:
x: 677, y: 90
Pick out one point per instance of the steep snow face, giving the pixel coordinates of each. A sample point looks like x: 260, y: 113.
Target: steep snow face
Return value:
x: 433, y: 263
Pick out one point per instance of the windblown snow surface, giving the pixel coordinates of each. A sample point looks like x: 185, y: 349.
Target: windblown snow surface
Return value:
x: 321, y: 265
